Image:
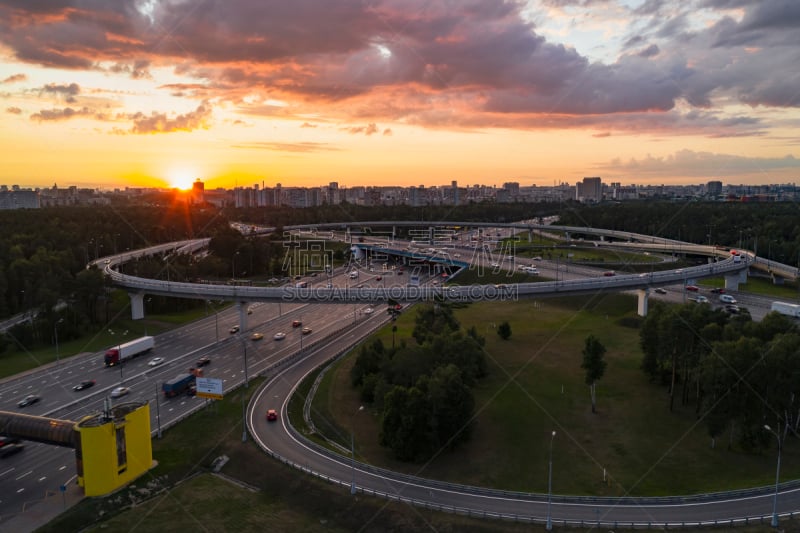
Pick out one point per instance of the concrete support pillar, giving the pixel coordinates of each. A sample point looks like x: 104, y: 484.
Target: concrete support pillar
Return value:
x: 530, y: 235
x: 642, y: 304
x: 732, y: 281
x: 137, y: 305
x: 242, y: 308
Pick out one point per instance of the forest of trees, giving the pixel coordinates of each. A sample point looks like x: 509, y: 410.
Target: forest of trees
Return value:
x: 771, y: 230
x: 738, y: 374
x: 422, y: 388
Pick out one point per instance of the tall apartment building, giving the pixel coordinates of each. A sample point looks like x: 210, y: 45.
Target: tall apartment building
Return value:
x: 590, y: 190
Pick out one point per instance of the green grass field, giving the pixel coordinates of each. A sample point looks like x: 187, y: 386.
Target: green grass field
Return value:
x: 257, y: 492
x: 536, y: 386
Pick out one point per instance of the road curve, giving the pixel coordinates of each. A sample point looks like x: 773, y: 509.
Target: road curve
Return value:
x: 283, y: 442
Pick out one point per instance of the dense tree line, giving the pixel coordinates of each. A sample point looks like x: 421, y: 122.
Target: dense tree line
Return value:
x: 346, y: 212
x: 739, y: 374
x: 770, y: 229
x: 422, y: 388
x: 44, y: 255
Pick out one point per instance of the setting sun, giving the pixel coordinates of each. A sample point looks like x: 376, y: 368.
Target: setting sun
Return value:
x: 181, y: 179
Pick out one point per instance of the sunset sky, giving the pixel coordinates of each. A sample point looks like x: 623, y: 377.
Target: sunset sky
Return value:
x: 116, y: 93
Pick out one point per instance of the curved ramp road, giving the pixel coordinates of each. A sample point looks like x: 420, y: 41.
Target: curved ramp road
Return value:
x: 283, y: 442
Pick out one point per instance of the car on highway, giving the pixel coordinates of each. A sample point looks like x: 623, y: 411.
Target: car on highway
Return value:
x: 5, y: 441
x: 660, y: 290
x: 85, y: 384
x: 494, y: 265
x: 700, y: 299
x: 234, y: 329
x: 306, y: 330
x: 250, y: 310
x: 11, y: 449
x: 692, y: 288
x: 369, y: 311
x: 732, y: 309
x: 119, y: 392
x: 296, y: 323
x: 727, y: 299
x: 609, y: 273
x: 256, y: 336
x: 279, y: 336
x: 30, y: 399
x: 203, y: 361
x: 717, y: 290
x: 272, y: 415
x: 192, y: 390
x: 155, y: 361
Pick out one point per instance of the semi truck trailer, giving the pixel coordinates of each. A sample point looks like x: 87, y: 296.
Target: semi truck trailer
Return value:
x: 122, y: 352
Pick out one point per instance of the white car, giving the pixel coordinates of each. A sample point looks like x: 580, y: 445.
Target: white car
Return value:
x: 279, y: 336
x: 727, y: 299
x: 369, y: 311
x: 119, y: 392
x: 155, y: 361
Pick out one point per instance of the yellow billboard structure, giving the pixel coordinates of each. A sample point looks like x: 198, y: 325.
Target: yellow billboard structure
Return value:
x: 112, y: 448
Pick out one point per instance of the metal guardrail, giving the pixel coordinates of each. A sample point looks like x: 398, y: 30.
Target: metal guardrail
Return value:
x: 524, y: 496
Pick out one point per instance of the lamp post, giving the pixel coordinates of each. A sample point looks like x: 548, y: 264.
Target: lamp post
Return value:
x: 777, y: 477
x: 549, y: 525
x: 55, y: 333
x: 244, y: 416
x: 353, y: 454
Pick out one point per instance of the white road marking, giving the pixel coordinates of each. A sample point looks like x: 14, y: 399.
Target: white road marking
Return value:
x: 42, y: 478
x: 62, y: 468
x: 23, y: 475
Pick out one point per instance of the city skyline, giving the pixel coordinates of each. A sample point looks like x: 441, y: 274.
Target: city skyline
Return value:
x: 148, y: 93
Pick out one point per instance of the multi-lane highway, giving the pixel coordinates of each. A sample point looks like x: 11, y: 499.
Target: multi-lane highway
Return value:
x: 41, y: 469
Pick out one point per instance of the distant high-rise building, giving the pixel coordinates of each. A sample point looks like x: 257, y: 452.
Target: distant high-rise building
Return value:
x: 714, y: 188
x: 19, y: 199
x: 589, y: 190
x: 198, y: 192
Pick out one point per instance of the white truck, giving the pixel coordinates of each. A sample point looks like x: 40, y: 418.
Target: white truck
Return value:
x: 787, y: 309
x: 122, y: 352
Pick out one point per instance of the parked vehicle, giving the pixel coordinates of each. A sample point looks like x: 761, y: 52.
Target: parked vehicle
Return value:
x: 787, y: 309
x: 178, y: 385
x: 122, y: 352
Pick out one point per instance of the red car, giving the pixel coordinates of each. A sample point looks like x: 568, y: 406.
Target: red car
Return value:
x: 296, y: 323
x: 272, y: 415
x: 692, y: 288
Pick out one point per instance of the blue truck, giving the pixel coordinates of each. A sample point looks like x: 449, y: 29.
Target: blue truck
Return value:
x: 178, y: 385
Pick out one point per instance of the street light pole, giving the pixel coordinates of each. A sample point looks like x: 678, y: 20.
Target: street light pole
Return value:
x: 777, y: 477
x: 549, y: 525
x: 55, y: 333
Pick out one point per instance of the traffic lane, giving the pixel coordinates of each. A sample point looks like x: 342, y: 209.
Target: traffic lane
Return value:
x: 277, y: 438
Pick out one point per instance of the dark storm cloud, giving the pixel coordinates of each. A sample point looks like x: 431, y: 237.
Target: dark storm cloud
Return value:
x: 471, y: 63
